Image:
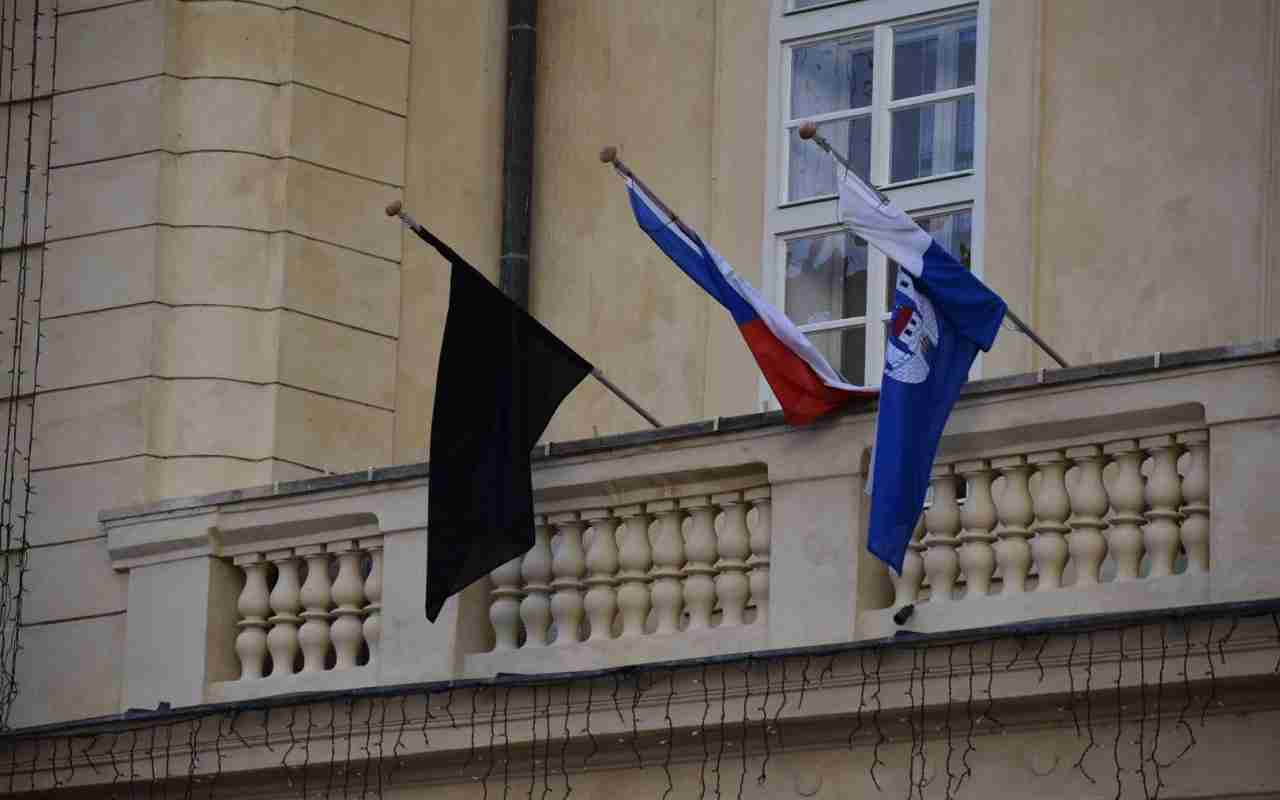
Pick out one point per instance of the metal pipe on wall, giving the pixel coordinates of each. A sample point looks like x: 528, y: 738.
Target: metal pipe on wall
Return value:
x: 517, y: 149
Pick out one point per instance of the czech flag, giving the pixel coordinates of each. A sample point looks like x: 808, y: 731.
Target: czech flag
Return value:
x: 804, y: 383
x: 942, y: 316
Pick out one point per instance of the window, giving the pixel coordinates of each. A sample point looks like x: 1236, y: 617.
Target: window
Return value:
x: 896, y: 87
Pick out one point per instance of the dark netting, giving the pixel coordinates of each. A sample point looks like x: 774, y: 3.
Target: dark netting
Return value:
x: 24, y: 231
x: 359, y: 743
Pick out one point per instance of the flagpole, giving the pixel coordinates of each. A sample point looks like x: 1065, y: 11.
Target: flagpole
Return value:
x: 396, y: 209
x: 609, y: 155
x: 611, y: 386
x: 809, y: 131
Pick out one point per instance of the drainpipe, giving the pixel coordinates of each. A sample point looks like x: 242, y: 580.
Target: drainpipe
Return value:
x: 517, y: 149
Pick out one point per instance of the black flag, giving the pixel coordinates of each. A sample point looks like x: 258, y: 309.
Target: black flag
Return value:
x: 500, y: 379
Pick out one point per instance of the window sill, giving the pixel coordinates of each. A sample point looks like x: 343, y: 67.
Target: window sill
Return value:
x: 794, y: 11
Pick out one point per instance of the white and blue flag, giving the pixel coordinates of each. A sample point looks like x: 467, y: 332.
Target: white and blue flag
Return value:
x: 942, y: 315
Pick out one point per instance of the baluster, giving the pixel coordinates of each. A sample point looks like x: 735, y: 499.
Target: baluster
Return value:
x: 601, y: 602
x: 1089, y: 504
x: 1013, y: 551
x: 1124, y: 538
x: 977, y: 557
x: 373, y: 594
x: 942, y: 521
x: 906, y: 587
x: 1163, y: 496
x: 700, y: 558
x: 253, y: 605
x: 504, y: 606
x: 733, y: 545
x: 282, y: 641
x: 761, y: 541
x: 1052, y: 505
x: 667, y: 589
x: 634, y: 559
x: 1195, y: 498
x: 535, y: 569
x: 313, y: 636
x: 568, y: 565
x: 348, y: 595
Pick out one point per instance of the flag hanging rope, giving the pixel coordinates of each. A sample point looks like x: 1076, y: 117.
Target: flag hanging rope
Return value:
x: 809, y: 131
x: 396, y: 209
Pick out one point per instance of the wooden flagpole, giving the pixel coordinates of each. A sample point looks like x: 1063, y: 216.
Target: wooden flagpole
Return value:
x: 809, y: 131
x: 396, y: 209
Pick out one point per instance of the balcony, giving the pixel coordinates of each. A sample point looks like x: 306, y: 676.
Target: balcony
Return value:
x: 1122, y: 487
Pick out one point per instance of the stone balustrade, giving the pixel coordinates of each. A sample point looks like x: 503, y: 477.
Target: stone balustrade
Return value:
x: 644, y: 569
x: 1113, y: 510
x: 1084, y: 491
x: 310, y: 608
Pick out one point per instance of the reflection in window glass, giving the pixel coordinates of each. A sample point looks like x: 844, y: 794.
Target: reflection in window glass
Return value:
x: 845, y: 350
x: 812, y: 173
x: 934, y: 56
x: 826, y: 278
x: 908, y: 72
x: 832, y: 75
x: 953, y: 231
x: 932, y: 139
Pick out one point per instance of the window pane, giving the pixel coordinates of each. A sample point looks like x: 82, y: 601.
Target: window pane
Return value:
x: 796, y: 5
x: 845, y: 350
x: 953, y: 231
x: 826, y: 278
x: 934, y: 56
x: 932, y: 139
x: 812, y: 173
x: 834, y: 75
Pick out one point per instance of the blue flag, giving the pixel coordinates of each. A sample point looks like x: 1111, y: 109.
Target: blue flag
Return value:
x: 942, y: 315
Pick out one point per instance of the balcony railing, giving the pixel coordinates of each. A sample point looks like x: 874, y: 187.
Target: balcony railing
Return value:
x: 641, y: 573
x: 1080, y: 491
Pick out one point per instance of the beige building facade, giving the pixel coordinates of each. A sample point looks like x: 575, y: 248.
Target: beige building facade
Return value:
x: 226, y: 305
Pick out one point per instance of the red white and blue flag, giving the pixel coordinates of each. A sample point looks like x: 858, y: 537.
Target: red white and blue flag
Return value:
x: 942, y: 316
x: 804, y: 383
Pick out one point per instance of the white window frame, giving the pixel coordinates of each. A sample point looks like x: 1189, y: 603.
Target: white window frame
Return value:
x: 935, y: 194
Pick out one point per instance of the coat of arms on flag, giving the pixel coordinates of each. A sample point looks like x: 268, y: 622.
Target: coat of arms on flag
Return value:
x: 913, y: 334
x: 942, y: 316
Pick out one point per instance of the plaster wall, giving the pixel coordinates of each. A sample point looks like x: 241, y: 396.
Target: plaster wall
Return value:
x: 678, y: 86
x: 1129, y: 198
x: 1131, y: 192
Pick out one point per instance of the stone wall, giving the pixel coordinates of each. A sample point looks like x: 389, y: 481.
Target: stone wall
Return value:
x: 222, y: 291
